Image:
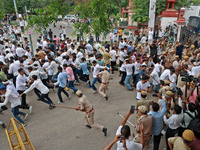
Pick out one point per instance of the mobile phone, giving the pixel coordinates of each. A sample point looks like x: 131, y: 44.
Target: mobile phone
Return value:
x: 132, y: 109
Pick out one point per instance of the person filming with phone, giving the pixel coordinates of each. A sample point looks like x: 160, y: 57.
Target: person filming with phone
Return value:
x: 123, y: 136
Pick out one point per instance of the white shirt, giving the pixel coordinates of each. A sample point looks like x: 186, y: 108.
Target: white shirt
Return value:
x: 14, y: 67
x: 129, y: 69
x: 21, y: 82
x: 11, y: 97
x: 45, y: 44
x: 38, y: 85
x: 137, y: 67
x: 157, y: 68
x: 160, y: 34
x: 130, y: 144
x: 121, y: 56
x: 174, y: 121
x: 172, y: 79
x: 45, y: 65
x: 122, y: 68
x: 165, y: 75
x: 20, y: 52
x: 53, y: 66
x: 9, y: 55
x: 79, y: 55
x: 113, y: 54
x: 150, y: 35
x: 141, y: 86
x: 89, y: 48
x: 155, y: 77
x: 28, y: 54
x: 195, y: 70
x: 111, y: 36
x: 143, y: 40
x: 21, y: 23
x: 96, y: 70
x: 121, y: 45
x: 59, y: 59
x: 71, y: 51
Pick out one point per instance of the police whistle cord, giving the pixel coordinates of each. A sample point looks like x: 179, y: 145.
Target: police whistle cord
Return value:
x: 65, y: 107
x: 127, y: 120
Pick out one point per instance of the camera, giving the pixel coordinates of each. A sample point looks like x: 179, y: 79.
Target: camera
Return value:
x: 177, y: 91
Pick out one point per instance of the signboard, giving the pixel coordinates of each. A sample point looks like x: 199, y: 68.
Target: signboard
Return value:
x: 152, y: 10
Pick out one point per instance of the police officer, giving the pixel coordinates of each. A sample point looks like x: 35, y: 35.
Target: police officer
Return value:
x: 85, y: 106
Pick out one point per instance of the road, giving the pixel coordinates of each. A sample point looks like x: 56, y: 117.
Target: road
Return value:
x: 63, y: 129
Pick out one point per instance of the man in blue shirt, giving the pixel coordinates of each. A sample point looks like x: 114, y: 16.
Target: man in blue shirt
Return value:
x: 86, y: 73
x: 157, y: 122
x: 62, y: 82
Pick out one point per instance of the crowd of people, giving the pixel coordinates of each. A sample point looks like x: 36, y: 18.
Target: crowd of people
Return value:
x: 147, y: 63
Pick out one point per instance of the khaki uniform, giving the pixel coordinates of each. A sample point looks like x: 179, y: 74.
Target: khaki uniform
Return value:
x: 185, y: 62
x: 89, y: 112
x: 146, y: 120
x: 105, y: 75
x: 168, y: 49
x: 187, y: 53
x: 178, y: 143
x: 106, y: 57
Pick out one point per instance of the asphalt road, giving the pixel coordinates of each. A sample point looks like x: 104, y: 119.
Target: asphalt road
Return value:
x: 63, y: 129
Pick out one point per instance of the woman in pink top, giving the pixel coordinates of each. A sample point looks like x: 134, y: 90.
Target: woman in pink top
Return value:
x: 71, y: 77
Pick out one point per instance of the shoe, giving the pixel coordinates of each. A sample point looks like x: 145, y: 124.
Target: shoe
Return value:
x: 51, y: 106
x: 69, y: 97
x: 88, y: 126
x: 94, y: 92
x: 106, y: 97
x: 30, y: 109
x: 24, y: 124
x: 3, y: 125
x: 130, y: 89
x: 26, y: 115
x: 39, y: 99
x: 87, y: 82
x: 60, y: 102
x: 121, y: 83
x: 105, y: 131
x: 76, y: 83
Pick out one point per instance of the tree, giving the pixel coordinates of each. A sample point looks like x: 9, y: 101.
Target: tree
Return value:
x: 47, y: 15
x: 98, y: 11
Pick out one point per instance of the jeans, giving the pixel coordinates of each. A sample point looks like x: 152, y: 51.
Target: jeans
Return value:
x: 76, y: 71
x: 16, y: 112
x: 54, y: 77
x: 108, y: 67
x: 61, y: 89
x: 137, y: 78
x: 156, y: 141
x: 71, y: 86
x: 45, y: 98
x: 128, y: 82
x: 23, y: 104
x: 94, y: 80
x: 156, y: 88
x: 37, y: 92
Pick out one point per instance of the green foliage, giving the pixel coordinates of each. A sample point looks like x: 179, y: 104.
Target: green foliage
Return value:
x: 1, y: 14
x: 47, y: 15
x: 99, y: 11
x: 141, y: 9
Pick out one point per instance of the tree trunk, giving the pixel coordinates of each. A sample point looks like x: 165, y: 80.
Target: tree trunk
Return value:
x: 120, y: 6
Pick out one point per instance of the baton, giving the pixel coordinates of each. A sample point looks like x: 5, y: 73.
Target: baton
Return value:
x: 127, y: 120
x: 65, y: 107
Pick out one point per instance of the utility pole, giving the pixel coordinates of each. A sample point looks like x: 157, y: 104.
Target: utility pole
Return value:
x: 29, y: 32
x: 15, y: 8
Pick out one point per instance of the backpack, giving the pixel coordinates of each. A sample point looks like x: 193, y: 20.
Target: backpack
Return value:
x: 195, y: 126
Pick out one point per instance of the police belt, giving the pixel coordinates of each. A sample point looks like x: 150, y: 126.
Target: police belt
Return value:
x: 105, y: 83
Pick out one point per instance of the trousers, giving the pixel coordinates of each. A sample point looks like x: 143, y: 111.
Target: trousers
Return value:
x: 156, y: 141
x: 23, y: 105
x: 89, y: 120
x: 61, y: 89
x: 102, y: 89
x: 170, y: 133
x: 16, y: 113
